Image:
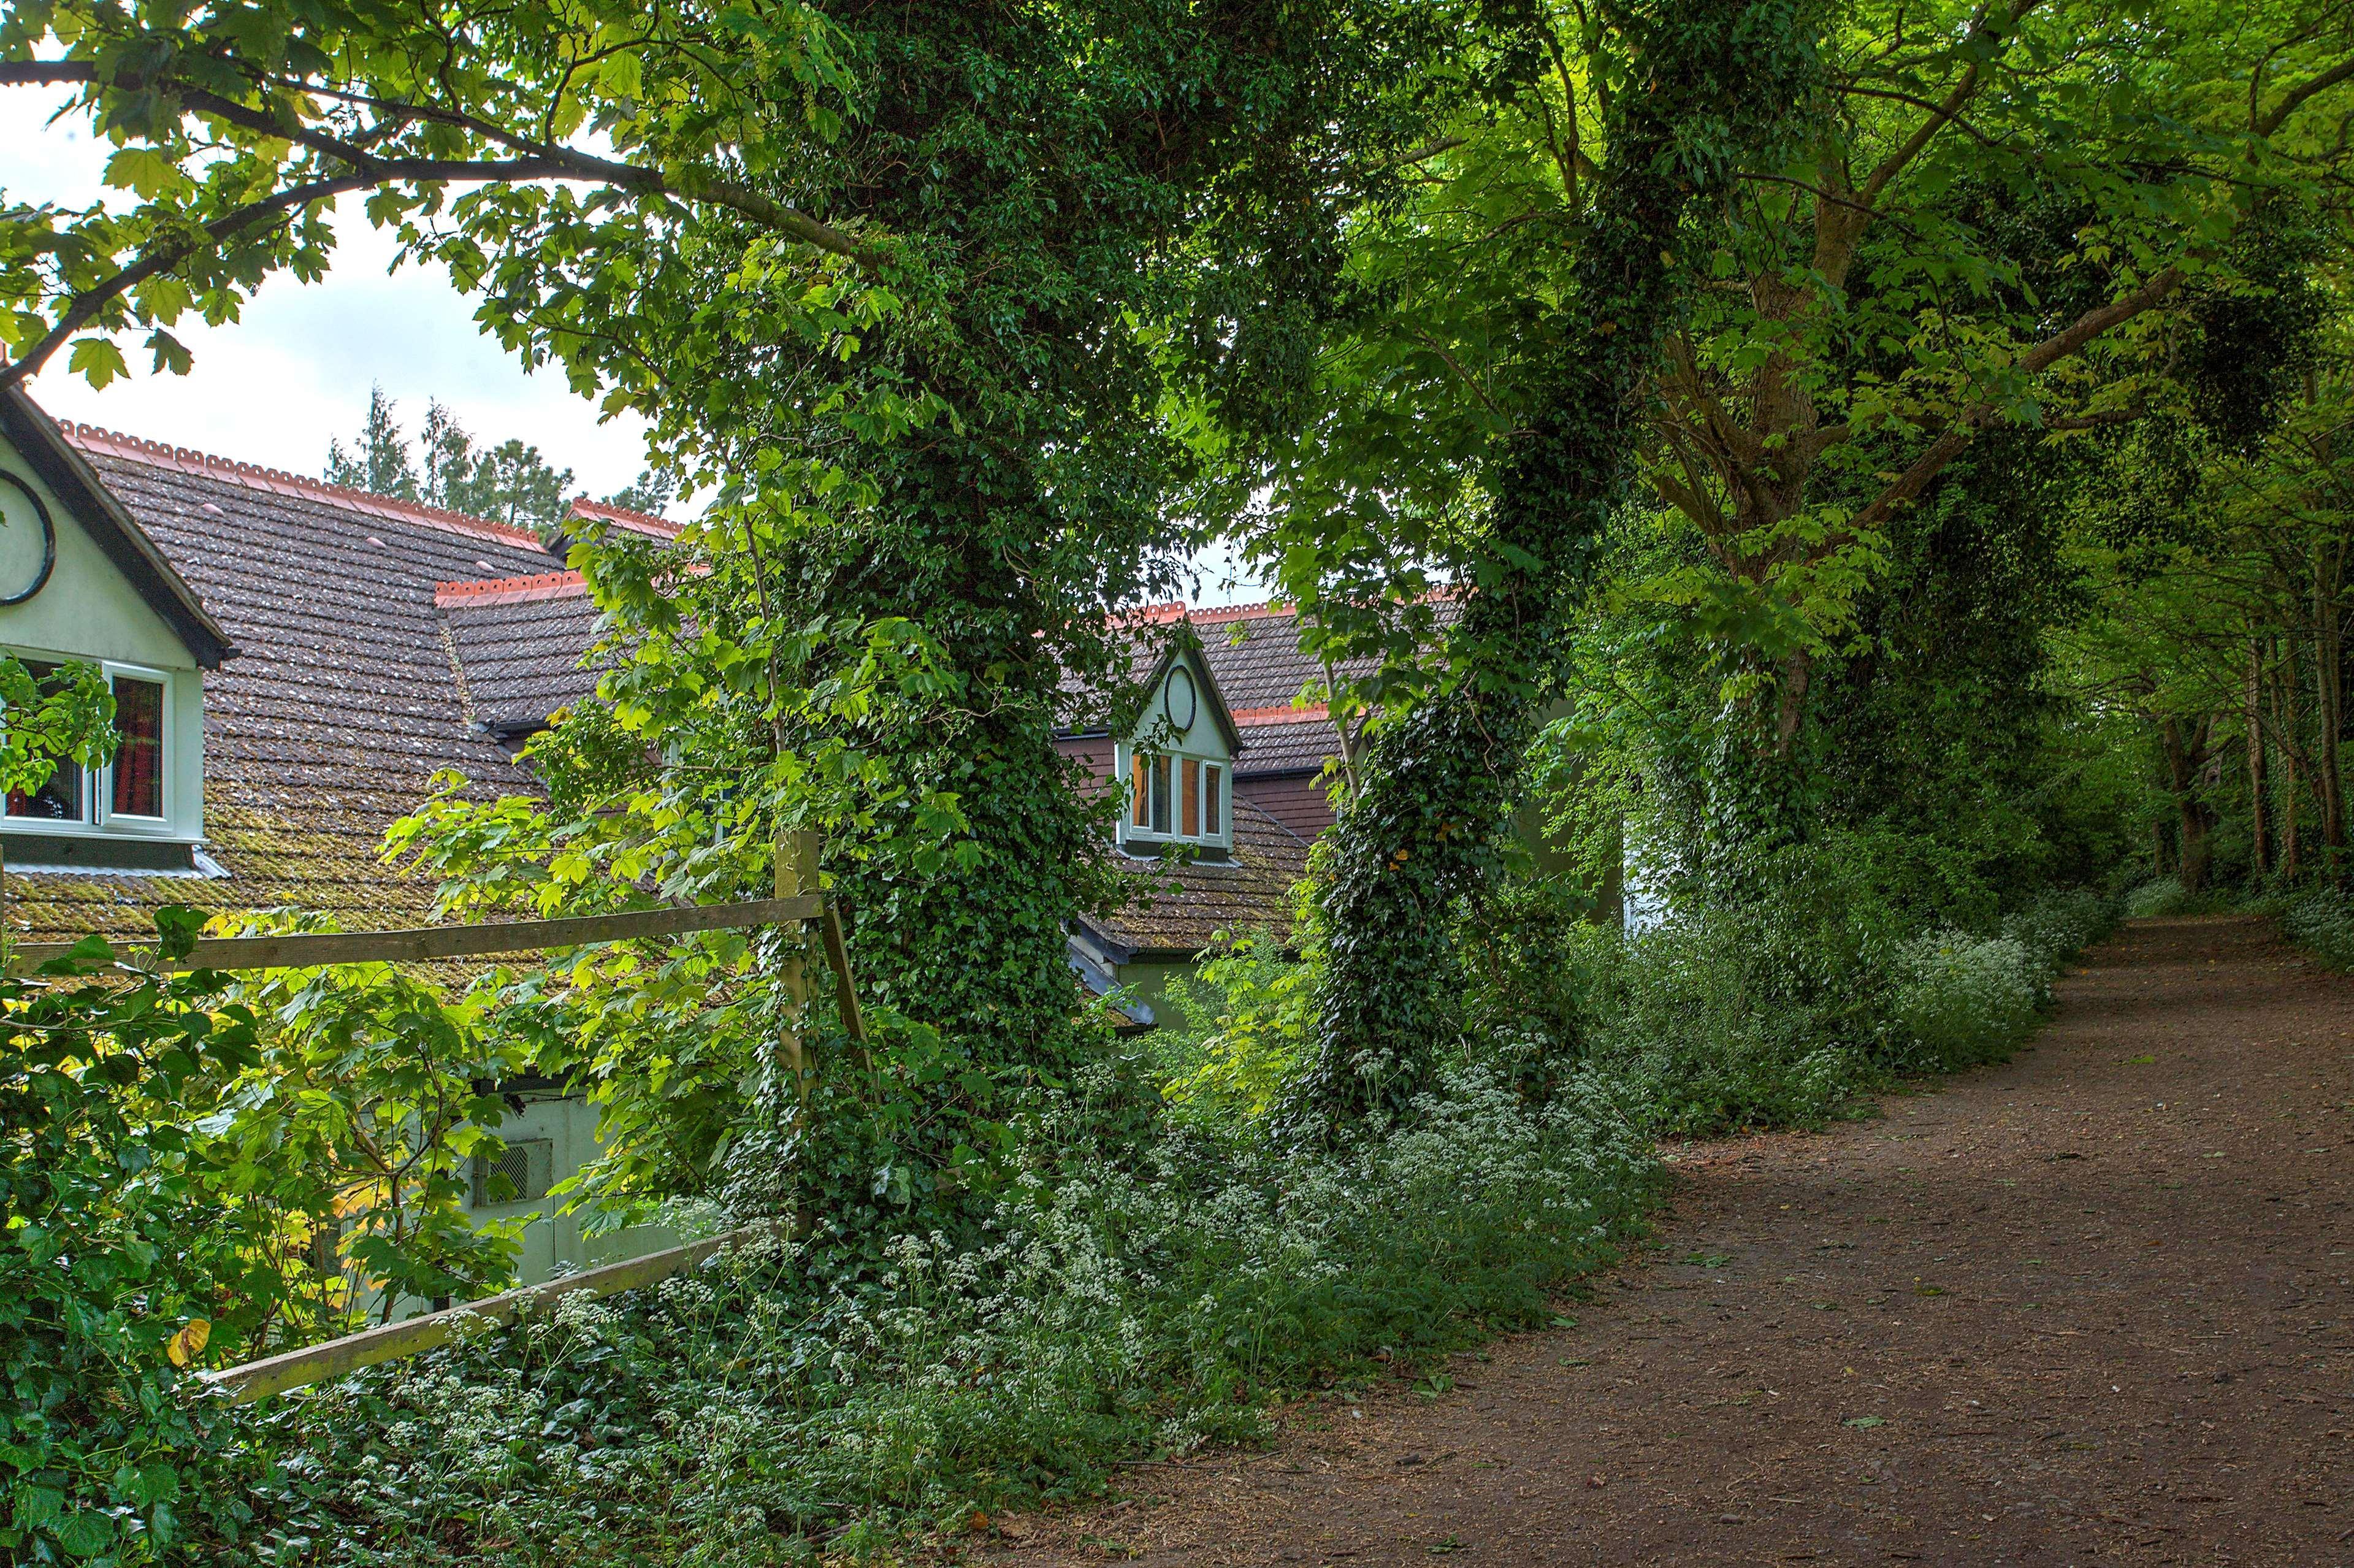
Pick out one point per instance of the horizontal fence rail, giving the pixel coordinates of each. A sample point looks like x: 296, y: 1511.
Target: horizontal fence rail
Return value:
x: 413, y: 1336
x: 306, y: 949
x: 316, y: 1363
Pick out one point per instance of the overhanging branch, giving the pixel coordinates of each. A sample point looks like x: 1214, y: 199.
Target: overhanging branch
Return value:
x: 1957, y: 437
x: 534, y: 162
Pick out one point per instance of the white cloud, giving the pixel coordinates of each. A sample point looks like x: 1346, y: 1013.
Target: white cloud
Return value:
x: 294, y: 373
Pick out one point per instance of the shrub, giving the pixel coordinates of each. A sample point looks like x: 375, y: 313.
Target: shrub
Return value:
x: 1681, y: 1021
x: 1962, y: 1000
x: 1781, y: 1007
x: 2059, y: 925
x: 2159, y: 896
x: 1245, y: 1012
x: 114, y: 1266
x: 2322, y: 922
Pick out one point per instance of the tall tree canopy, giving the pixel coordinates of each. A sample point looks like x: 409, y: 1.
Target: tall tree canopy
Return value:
x: 932, y: 301
x: 2020, y: 216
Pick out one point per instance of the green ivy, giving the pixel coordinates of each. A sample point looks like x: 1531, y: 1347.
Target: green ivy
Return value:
x: 1705, y: 86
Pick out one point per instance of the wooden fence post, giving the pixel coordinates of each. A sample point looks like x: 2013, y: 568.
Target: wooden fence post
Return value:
x: 797, y: 875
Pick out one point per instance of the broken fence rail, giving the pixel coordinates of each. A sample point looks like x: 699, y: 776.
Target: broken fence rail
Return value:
x: 412, y: 1336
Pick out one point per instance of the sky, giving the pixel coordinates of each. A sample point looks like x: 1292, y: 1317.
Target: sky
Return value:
x: 277, y: 385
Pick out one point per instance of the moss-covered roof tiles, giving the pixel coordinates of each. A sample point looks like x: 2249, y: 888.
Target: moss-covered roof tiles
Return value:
x: 344, y: 700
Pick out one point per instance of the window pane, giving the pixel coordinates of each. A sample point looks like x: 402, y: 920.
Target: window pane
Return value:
x: 59, y: 799
x: 1140, y: 813
x: 139, y: 762
x: 1160, y: 794
x: 1189, y: 810
x: 1212, y: 818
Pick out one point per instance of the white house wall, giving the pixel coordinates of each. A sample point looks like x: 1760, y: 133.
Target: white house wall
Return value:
x: 88, y: 610
x: 1156, y: 730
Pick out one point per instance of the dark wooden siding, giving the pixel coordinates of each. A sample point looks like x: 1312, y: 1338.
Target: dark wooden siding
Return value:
x: 1296, y: 800
x: 1092, y: 749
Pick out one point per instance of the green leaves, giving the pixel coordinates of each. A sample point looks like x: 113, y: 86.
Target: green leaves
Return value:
x: 101, y: 1455
x: 231, y: 129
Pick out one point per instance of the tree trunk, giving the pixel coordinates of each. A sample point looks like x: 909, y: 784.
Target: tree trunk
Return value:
x: 2329, y: 711
x: 1340, y: 721
x: 2259, y: 849
x: 2186, y: 753
x: 1439, y: 785
x: 2284, y: 722
x: 1798, y: 671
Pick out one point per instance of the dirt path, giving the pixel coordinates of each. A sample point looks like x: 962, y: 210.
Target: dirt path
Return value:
x: 2093, y: 1305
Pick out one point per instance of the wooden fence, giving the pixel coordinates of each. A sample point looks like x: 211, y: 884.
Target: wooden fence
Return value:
x: 334, y: 1358
x: 796, y: 870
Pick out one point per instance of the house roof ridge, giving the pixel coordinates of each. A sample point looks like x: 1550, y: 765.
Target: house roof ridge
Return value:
x: 1178, y: 609
x: 1282, y: 713
x: 643, y: 521
x: 509, y: 590
x: 256, y: 476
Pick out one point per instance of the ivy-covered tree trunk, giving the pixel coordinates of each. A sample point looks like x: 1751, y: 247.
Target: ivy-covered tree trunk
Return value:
x: 1708, y: 83
x: 2259, y: 820
x: 2185, y: 748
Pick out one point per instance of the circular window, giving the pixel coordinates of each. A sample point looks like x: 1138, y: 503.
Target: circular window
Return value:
x: 1181, y: 700
x: 28, y: 541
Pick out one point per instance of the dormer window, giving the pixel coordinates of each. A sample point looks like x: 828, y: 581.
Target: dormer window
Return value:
x: 82, y: 584
x: 127, y: 792
x: 1178, y: 765
x: 147, y: 794
x: 1176, y: 797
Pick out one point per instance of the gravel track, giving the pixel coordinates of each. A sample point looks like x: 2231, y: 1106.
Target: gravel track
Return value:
x: 2092, y: 1305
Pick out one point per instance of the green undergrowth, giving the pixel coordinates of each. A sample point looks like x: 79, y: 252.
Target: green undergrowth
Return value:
x: 789, y: 1400
x: 1157, y: 1272
x: 2321, y: 922
x: 1784, y: 1011
x: 2320, y: 919
x: 2164, y: 895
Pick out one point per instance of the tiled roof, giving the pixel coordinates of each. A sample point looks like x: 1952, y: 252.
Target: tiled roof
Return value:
x: 1300, y: 742
x: 1184, y: 909
x: 518, y: 643
x: 95, y: 442
x: 342, y: 701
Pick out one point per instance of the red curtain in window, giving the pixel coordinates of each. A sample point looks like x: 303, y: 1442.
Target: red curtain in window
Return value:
x: 139, y: 764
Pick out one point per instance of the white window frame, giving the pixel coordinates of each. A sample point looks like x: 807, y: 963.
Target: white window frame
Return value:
x: 99, y: 817
x: 1218, y: 835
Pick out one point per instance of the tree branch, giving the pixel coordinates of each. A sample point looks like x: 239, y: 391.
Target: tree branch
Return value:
x: 556, y: 162
x: 1958, y: 435
x: 2297, y: 96
x: 1946, y: 112
x: 86, y: 306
